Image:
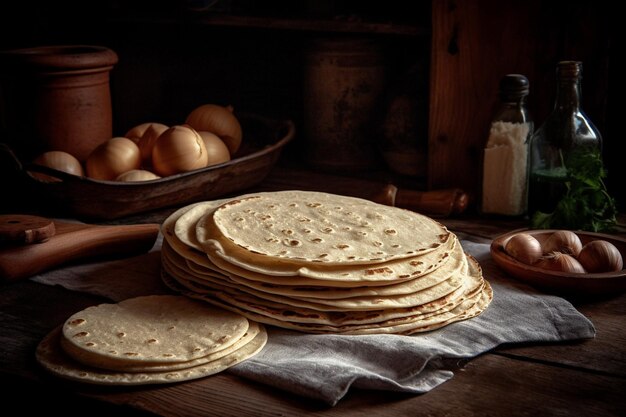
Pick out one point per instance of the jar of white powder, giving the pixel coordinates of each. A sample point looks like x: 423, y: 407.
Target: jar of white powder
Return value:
x: 505, y: 162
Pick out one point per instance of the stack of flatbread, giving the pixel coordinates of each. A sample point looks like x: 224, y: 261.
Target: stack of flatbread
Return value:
x: 149, y: 340
x: 322, y: 263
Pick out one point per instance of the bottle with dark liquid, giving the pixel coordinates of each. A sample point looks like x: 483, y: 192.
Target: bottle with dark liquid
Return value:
x: 564, y: 139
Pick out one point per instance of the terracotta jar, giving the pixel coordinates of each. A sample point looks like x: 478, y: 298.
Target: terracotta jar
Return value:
x: 56, y: 98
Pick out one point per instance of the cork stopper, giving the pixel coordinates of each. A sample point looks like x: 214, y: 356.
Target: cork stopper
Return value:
x: 569, y: 69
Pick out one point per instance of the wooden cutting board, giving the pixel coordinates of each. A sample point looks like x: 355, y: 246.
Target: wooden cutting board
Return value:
x: 31, y: 244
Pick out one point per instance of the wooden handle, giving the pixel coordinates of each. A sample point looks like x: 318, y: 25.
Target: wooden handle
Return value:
x: 75, y: 242
x: 437, y: 202
x: 25, y: 229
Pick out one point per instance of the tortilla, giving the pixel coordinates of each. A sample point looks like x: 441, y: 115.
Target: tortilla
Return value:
x: 303, y: 319
x: 185, y: 224
x: 300, y: 227
x: 403, y: 325
x: 455, y: 264
x: 323, y: 263
x: 126, y: 365
x: 158, y: 328
x: 336, y: 276
x: 181, y: 239
x: 52, y: 357
x: 365, y: 303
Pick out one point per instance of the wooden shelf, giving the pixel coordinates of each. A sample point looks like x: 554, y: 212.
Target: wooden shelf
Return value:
x: 313, y: 25
x: 299, y: 24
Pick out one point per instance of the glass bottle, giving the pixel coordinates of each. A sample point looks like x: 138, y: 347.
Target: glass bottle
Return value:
x: 505, y: 162
x: 565, y: 136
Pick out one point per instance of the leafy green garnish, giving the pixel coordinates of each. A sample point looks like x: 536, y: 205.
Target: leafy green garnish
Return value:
x: 586, y: 204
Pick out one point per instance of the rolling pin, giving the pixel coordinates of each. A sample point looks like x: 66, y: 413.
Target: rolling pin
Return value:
x: 31, y: 244
x: 441, y: 203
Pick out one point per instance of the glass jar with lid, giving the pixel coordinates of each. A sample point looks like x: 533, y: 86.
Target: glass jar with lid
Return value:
x: 505, y: 162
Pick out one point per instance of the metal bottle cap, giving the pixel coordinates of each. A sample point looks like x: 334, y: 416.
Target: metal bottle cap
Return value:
x: 513, y: 86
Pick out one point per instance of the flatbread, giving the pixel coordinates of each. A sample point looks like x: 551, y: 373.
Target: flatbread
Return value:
x: 301, y: 227
x: 185, y: 224
x: 455, y: 264
x: 322, y: 263
x: 155, y: 329
x: 404, y: 325
x: 51, y: 356
x: 414, y: 292
x: 366, y: 303
x: 125, y: 365
x: 364, y: 322
x: 168, y: 229
x: 336, y: 276
x: 179, y: 230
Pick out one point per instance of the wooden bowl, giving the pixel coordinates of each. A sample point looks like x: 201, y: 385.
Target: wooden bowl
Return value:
x: 561, y: 282
x: 84, y: 197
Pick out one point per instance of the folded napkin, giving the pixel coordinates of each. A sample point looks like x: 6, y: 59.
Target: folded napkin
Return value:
x: 324, y: 367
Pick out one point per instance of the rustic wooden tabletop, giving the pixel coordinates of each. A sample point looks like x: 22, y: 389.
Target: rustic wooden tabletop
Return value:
x: 574, y: 378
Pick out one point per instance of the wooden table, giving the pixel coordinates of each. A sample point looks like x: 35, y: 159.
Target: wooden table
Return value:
x: 581, y: 378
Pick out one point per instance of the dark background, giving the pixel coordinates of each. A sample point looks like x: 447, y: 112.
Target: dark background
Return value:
x: 175, y: 55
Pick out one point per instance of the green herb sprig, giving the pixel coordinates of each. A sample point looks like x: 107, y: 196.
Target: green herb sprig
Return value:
x: 586, y: 204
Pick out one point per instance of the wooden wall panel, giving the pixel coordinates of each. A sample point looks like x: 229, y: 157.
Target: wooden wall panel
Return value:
x: 476, y: 42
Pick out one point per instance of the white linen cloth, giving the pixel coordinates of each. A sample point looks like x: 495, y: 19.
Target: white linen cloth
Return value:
x: 325, y: 367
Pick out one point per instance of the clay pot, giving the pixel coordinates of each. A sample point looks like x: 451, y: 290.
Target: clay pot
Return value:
x: 57, y: 98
